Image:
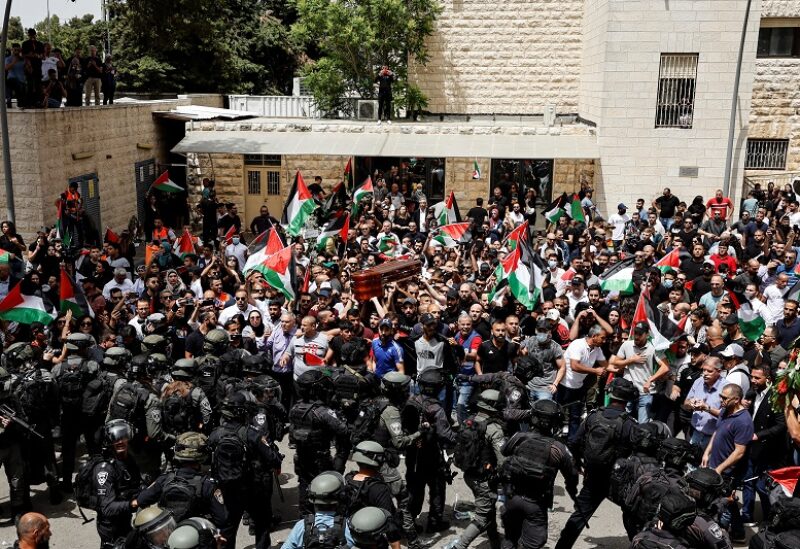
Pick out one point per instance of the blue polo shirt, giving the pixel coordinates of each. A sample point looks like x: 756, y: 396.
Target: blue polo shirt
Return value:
x: 731, y: 430
x: 386, y: 356
x: 704, y: 421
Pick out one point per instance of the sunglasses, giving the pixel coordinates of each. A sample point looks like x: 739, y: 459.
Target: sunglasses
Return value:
x: 86, y: 323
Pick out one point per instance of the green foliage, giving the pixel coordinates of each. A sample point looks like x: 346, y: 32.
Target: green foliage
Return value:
x: 16, y: 32
x: 356, y: 37
x: 78, y: 32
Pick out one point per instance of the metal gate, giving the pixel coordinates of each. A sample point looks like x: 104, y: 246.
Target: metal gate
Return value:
x: 90, y: 194
x: 145, y: 175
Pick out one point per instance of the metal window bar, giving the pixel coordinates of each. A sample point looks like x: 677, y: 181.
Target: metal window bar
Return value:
x: 254, y: 182
x: 262, y: 159
x: 766, y: 154
x: 676, y: 90
x: 273, y: 183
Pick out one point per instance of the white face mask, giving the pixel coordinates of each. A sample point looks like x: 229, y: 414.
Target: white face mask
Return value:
x: 552, y: 263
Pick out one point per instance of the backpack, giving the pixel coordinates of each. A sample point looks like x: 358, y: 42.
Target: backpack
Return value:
x: 180, y: 495
x: 301, y: 423
x: 785, y: 514
x: 529, y: 465
x: 70, y: 385
x: 315, y: 537
x: 96, y: 397
x: 125, y: 404
x: 85, y: 493
x: 229, y: 459
x: 178, y: 414
x: 625, y: 473
x: 357, y: 493
x: 472, y: 452
x: 601, y: 439
x: 645, y: 495
x: 34, y: 393
x: 787, y: 540
x: 650, y: 540
x: 347, y: 389
x: 368, y: 420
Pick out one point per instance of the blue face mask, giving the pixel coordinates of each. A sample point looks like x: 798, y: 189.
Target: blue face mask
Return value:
x: 235, y: 240
x: 667, y: 283
x: 542, y: 337
x: 552, y: 263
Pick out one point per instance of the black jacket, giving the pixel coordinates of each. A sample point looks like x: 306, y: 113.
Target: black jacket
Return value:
x: 770, y: 428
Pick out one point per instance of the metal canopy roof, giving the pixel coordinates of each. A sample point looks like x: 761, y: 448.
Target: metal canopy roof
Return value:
x: 390, y: 144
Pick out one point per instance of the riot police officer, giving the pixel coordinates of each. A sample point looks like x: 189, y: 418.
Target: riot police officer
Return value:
x: 152, y: 527
x: 11, y: 450
x: 604, y: 436
x: 368, y: 526
x: 676, y: 512
x: 326, y: 525
x: 707, y: 487
x: 185, y: 407
x: 367, y: 487
x: 313, y: 426
x: 185, y: 491
x: 391, y: 435
x: 115, y: 483
x: 235, y: 446
x: 195, y: 533
x: 72, y: 375
x: 425, y: 462
x: 533, y: 460
x: 478, y: 453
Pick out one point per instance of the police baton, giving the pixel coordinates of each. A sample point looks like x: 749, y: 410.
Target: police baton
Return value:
x: 278, y: 485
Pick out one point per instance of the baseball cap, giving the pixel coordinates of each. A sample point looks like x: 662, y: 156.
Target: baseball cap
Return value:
x: 641, y: 327
x: 325, y: 292
x: 452, y: 294
x: 576, y: 281
x: 699, y: 348
x: 385, y: 323
x: 427, y: 318
x: 409, y: 301
x: 731, y: 319
x: 553, y: 314
x: 621, y: 206
x: 732, y: 350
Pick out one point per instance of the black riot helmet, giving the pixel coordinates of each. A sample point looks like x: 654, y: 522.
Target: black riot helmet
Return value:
x: 430, y: 381
x: 547, y: 417
x: 314, y: 385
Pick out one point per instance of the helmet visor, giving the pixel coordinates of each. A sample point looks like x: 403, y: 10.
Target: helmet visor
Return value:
x: 158, y: 534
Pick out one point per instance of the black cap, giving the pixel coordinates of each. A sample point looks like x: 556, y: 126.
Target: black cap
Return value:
x: 452, y: 293
x: 641, y: 327
x: 427, y: 318
x: 699, y: 348
x: 731, y: 319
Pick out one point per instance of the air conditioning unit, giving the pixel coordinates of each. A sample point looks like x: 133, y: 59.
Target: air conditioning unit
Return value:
x: 549, y: 115
x: 367, y: 109
x: 299, y: 88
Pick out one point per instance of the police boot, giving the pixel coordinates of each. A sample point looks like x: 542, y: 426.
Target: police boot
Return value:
x: 434, y: 526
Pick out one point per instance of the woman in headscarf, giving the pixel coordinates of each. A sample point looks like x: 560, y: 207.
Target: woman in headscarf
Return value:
x: 173, y: 282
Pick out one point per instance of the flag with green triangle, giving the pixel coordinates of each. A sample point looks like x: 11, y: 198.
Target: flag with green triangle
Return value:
x: 23, y: 308
x: 363, y: 192
x: 556, y: 208
x: 476, y: 169
x: 278, y: 271
x: 71, y: 297
x: 576, y: 209
x: 298, y: 208
x: 446, y: 212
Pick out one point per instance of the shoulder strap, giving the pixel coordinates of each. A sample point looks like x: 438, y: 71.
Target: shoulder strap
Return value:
x: 308, y: 529
x: 356, y: 374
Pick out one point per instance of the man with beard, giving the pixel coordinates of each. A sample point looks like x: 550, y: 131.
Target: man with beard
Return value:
x: 480, y: 324
x: 33, y: 532
x: 693, y: 266
x: 407, y: 317
x: 686, y: 376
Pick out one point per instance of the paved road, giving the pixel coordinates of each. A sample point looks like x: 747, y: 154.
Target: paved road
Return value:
x: 605, y: 529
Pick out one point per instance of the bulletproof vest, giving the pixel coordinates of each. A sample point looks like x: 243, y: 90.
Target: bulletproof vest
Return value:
x: 33, y: 394
x: 348, y: 388
x: 128, y: 404
x: 181, y: 495
x: 657, y: 539
x: 206, y: 378
x: 304, y: 429
x: 472, y: 451
x: 529, y: 469
x: 358, y: 492
x: 624, y: 475
x: 368, y: 422
x: 315, y: 537
x: 71, y: 384
x: 267, y: 419
x: 179, y: 414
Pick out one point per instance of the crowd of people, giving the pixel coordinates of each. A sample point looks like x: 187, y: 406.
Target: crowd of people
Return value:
x: 39, y: 75
x: 174, y: 378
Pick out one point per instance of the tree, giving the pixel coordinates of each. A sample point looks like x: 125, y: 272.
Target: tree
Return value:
x: 78, y: 32
x: 16, y: 32
x: 354, y: 38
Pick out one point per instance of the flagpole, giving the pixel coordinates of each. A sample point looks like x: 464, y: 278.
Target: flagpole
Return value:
x: 4, y: 125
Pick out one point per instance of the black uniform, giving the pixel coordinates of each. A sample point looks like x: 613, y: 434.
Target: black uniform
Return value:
x: 116, y: 483
x: 517, y: 409
x: 373, y: 492
x: 237, y: 476
x: 426, y: 466
x: 596, y: 475
x: 313, y: 427
x: 11, y: 460
x: 530, y: 494
x: 208, y: 501
x: 37, y: 396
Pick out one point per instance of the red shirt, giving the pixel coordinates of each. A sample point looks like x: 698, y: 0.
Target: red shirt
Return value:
x: 721, y: 206
x: 727, y: 260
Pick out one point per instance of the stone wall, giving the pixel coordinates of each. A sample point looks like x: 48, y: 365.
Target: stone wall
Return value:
x: 511, y: 57
x: 48, y: 147
x: 568, y: 175
x: 595, y: 17
x: 458, y: 178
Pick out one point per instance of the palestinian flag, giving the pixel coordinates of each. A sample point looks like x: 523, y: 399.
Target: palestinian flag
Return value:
x: 348, y: 174
x: 515, y: 274
x: 311, y: 359
x: 278, y: 271
x: 361, y: 193
x: 662, y: 330
x: 228, y: 238
x: 338, y: 226
x: 787, y: 477
x: 450, y: 236
x: 22, y: 308
x: 5, y: 256
x: 165, y: 184
x: 336, y: 202
x: 447, y: 211
x: 184, y: 245
x: 670, y: 261
x: 476, y: 169
x: 576, y: 209
x: 72, y: 297
x: 388, y: 244
x: 299, y: 207
x: 619, y: 278
x: 517, y: 236
x: 111, y: 236
x: 557, y: 208
x: 62, y: 229
x: 751, y: 323
x: 266, y: 244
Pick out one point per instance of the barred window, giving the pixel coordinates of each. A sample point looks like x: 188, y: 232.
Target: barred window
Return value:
x: 766, y: 154
x: 253, y: 182
x: 273, y: 183
x: 262, y: 159
x: 676, y: 87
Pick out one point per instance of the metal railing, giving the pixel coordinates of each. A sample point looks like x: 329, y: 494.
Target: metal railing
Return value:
x: 779, y: 179
x: 676, y: 85
x: 276, y: 106
x: 766, y: 154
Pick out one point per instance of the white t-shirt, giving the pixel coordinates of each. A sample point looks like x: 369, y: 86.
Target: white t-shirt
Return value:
x: 579, y: 351
x: 638, y: 373
x: 47, y: 64
x: 618, y: 221
x: 740, y: 377
x: 773, y: 303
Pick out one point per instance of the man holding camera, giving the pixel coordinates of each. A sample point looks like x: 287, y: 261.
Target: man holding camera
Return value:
x: 385, y: 79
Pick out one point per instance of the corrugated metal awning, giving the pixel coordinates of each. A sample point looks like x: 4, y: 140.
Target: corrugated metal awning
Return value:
x: 390, y: 144
x: 199, y: 112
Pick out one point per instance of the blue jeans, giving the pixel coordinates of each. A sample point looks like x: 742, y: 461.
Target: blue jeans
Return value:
x: 730, y: 518
x: 540, y: 395
x: 643, y: 406
x: 575, y: 402
x: 699, y: 439
x: 464, y: 393
x: 666, y: 222
x: 751, y: 487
